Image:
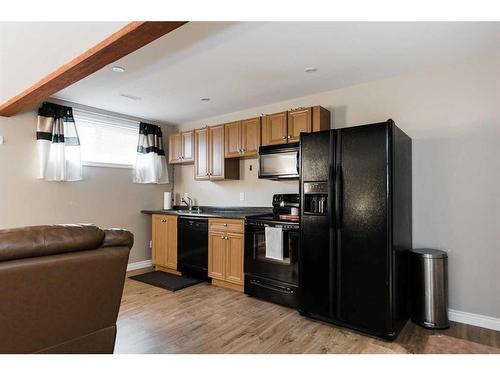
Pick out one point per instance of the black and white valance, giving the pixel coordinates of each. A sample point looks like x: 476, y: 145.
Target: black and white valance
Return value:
x: 151, y: 164
x: 58, y: 144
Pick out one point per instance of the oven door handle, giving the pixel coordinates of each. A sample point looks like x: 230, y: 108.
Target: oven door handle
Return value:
x: 270, y: 287
x: 255, y: 227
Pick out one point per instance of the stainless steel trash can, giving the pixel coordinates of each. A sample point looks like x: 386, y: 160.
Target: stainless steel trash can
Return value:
x: 430, y: 288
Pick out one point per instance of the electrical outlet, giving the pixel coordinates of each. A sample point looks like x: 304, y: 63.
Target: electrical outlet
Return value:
x: 242, y: 196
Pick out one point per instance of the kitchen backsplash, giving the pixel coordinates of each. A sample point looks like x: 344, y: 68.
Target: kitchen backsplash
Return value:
x: 249, y: 190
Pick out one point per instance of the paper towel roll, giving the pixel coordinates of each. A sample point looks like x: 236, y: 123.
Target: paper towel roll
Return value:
x: 167, y: 200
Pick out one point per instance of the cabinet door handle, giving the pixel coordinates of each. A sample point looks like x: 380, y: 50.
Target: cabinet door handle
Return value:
x: 289, y: 137
x: 284, y: 137
x: 222, y: 237
x: 225, y: 238
x: 225, y: 224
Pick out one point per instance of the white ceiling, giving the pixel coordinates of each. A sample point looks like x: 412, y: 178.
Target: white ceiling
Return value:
x: 31, y: 50
x: 242, y: 65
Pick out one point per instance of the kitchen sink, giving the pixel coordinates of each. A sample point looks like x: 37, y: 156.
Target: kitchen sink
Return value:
x: 194, y: 211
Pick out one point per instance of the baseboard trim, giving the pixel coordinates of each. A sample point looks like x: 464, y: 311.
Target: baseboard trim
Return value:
x: 139, y: 265
x: 474, y: 319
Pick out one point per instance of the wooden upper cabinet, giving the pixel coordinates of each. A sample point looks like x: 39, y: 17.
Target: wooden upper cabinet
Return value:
x: 180, y: 147
x: 216, y: 152
x: 174, y: 148
x: 274, y: 129
x: 187, y: 146
x: 233, y: 146
x: 320, y: 119
x: 210, y: 163
x: 250, y: 136
x: 164, y: 241
x: 299, y: 120
x: 234, y: 258
x: 285, y: 127
x: 201, y: 150
x: 242, y: 138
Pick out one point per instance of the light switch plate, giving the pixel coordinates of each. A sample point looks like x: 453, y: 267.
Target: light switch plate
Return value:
x: 1, y: 139
x: 242, y: 196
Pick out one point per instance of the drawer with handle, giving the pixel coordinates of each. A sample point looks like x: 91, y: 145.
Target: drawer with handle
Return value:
x: 226, y: 225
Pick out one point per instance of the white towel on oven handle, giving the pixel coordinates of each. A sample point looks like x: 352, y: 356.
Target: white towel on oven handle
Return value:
x: 274, y: 243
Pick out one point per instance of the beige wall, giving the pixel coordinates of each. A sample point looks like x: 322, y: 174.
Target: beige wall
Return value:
x: 452, y: 114
x: 106, y: 197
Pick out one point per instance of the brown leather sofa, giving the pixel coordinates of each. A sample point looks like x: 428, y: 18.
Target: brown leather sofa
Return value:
x: 61, y: 287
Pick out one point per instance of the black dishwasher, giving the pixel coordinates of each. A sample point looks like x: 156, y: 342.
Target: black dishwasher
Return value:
x: 192, y: 247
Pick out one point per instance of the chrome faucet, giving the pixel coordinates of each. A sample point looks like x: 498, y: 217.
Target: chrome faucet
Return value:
x: 189, y: 204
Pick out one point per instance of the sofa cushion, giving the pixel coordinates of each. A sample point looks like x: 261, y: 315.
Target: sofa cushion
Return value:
x: 44, y: 240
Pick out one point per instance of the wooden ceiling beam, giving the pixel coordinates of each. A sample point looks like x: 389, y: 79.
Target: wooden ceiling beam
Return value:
x: 126, y: 40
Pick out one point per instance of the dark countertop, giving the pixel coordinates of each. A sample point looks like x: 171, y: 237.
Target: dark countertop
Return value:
x: 208, y: 211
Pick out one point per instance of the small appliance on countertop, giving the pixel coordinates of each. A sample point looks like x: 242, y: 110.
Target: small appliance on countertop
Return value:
x: 271, y: 252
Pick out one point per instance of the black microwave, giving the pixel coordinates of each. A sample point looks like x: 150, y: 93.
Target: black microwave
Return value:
x: 278, y: 162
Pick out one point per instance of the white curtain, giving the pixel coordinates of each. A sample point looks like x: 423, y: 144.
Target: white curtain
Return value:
x: 151, y: 163
x: 58, y: 144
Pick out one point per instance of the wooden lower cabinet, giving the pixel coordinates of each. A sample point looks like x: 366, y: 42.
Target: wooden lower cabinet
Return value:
x: 216, y: 255
x: 225, y: 254
x: 164, y: 242
x: 234, y: 258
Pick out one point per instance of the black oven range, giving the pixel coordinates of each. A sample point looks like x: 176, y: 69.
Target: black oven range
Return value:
x: 271, y: 252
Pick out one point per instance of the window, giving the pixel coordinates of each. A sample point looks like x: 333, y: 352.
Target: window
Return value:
x: 106, y: 140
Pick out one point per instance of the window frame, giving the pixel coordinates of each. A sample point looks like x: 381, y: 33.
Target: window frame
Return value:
x: 111, y: 121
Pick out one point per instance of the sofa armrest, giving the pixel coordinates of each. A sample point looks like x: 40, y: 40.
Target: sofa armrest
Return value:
x: 117, y: 237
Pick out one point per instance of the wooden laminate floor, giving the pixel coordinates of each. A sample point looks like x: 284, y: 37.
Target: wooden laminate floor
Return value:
x: 209, y: 319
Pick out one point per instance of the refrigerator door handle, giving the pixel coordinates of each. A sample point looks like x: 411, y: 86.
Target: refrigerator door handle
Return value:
x: 338, y: 196
x: 297, y: 161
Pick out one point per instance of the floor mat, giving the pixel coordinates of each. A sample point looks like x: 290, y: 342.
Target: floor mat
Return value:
x: 166, y: 280
x: 441, y: 344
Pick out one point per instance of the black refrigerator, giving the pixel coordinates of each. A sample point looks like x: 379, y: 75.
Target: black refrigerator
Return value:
x: 355, y: 227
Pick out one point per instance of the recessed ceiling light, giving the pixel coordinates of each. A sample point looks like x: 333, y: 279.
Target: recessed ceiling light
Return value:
x: 118, y: 69
x: 132, y: 97
x: 311, y: 69
x: 205, y: 99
